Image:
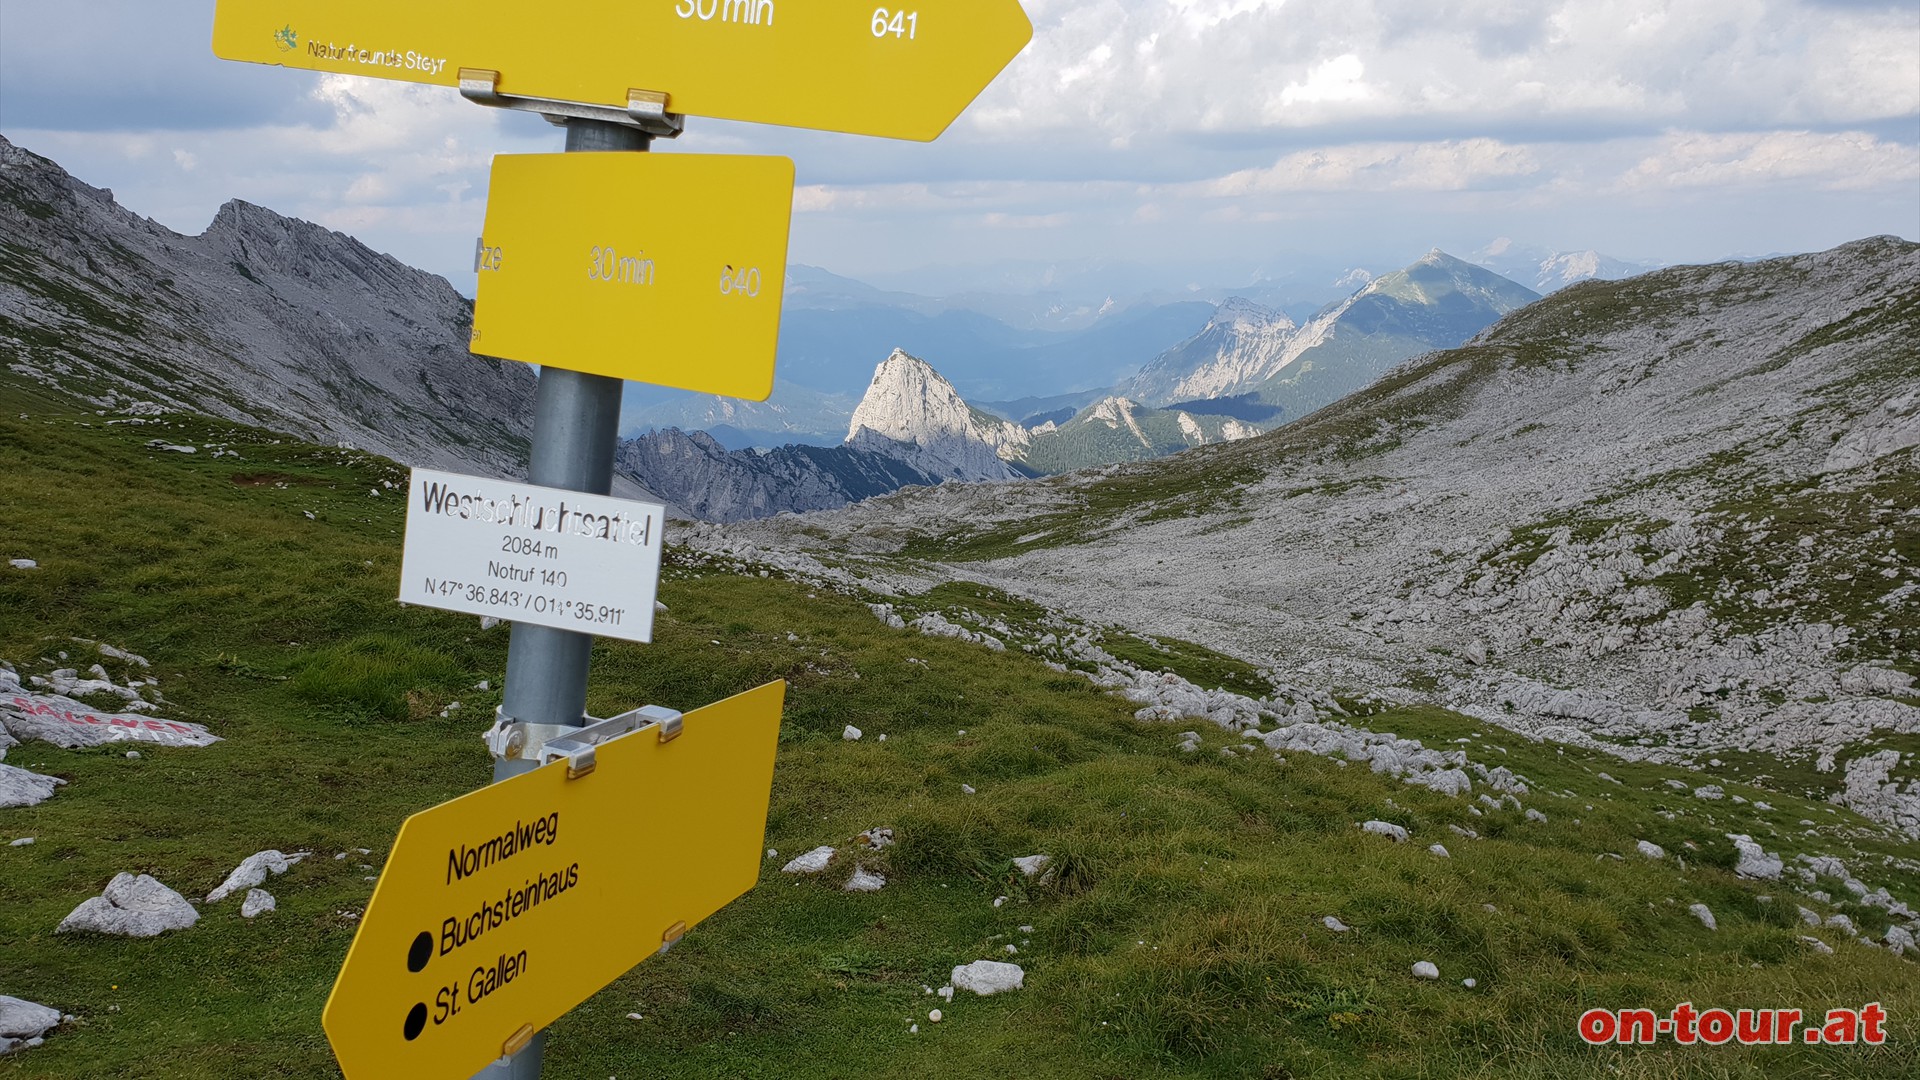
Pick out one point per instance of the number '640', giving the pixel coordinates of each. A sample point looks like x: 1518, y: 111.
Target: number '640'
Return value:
x: 742, y: 282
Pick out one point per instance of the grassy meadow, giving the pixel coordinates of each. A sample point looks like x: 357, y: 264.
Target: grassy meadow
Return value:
x: 1179, y: 934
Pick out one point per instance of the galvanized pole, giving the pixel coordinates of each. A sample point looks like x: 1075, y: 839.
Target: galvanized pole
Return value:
x: 576, y: 426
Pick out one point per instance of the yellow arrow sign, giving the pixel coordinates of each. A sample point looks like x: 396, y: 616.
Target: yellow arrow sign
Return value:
x: 501, y: 910
x: 839, y: 65
x: 661, y: 268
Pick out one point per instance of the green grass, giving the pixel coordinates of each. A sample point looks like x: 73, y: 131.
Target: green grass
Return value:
x: 1179, y: 937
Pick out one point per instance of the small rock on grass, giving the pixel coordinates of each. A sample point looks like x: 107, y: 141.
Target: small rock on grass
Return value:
x: 1900, y: 940
x: 23, y: 564
x: 1817, y: 945
x: 989, y: 977
x: 254, y: 870
x: 1335, y: 925
x: 811, y: 863
x: 1387, y: 829
x: 1439, y: 850
x: 1651, y: 850
x: 24, y: 841
x: 1032, y: 864
x: 864, y: 880
x: 1425, y: 970
x: 258, y: 902
x: 132, y: 907
x: 1705, y: 915
x: 851, y: 733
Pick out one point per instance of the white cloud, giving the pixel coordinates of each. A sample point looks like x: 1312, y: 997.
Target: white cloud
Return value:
x: 1381, y: 167
x: 1842, y: 161
x: 1339, y: 79
x: 1466, y: 65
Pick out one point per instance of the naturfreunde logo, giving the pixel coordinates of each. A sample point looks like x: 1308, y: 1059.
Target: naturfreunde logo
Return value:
x: 286, y: 38
x: 1746, y: 1027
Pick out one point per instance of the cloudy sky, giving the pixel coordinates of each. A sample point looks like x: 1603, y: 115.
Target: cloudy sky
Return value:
x: 1224, y: 138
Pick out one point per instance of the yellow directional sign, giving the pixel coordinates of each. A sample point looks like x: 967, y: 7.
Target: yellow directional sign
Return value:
x: 660, y: 268
x: 839, y: 65
x: 501, y: 910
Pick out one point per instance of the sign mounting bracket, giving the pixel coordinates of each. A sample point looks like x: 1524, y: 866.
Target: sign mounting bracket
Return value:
x: 646, y: 109
x: 578, y: 747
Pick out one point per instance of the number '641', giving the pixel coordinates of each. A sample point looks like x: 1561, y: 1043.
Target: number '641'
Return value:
x: 743, y: 282
x: 901, y: 24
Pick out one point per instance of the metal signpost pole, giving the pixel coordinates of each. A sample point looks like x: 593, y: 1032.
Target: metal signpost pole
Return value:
x: 576, y: 427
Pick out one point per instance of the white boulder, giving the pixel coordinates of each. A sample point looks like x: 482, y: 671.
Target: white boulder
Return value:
x: 132, y: 907
x: 1425, y: 970
x: 18, y: 787
x: 865, y: 880
x: 258, y: 902
x: 24, y: 1023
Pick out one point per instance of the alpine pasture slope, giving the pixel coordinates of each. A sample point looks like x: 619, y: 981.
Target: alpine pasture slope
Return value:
x: 1179, y: 930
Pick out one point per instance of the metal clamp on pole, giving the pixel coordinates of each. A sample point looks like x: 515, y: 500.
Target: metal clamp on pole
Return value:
x: 578, y: 746
x: 646, y: 109
x: 514, y: 740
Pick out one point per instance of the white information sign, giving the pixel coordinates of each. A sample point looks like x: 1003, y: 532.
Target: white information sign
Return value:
x: 531, y: 554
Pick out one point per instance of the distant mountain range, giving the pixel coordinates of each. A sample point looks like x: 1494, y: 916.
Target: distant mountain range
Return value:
x: 1544, y: 270
x: 285, y: 324
x: 1246, y: 350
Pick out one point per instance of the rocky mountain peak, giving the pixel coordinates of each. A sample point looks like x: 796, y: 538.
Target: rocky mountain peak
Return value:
x: 912, y: 412
x: 908, y: 400
x: 1239, y: 314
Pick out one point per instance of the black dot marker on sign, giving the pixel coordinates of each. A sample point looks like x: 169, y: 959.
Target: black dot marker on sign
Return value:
x: 421, y: 952
x: 416, y: 1021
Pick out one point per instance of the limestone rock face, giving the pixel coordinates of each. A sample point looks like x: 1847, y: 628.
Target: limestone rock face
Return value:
x: 262, y: 319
